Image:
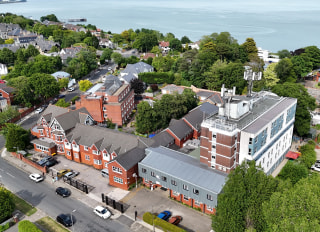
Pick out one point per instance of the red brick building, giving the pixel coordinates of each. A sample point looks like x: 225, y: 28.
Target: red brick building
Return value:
x: 6, y: 96
x: 109, y: 100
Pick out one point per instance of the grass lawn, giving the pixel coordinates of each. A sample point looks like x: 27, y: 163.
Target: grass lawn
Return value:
x: 51, y: 225
x: 23, y: 206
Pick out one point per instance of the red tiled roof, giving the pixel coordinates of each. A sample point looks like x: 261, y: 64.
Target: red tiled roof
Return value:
x: 164, y: 44
x: 293, y: 155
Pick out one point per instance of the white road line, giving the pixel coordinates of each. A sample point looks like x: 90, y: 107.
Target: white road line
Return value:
x: 1, y: 170
x: 11, y: 175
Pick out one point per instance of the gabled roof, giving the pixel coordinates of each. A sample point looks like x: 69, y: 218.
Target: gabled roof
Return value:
x: 129, y: 77
x: 137, y: 68
x: 205, y: 94
x: 162, y: 139
x: 111, y: 84
x: 60, y: 74
x: 130, y: 158
x: 179, y: 128
x: 51, y: 112
x: 112, y: 140
x: 69, y: 119
x: 198, y: 114
x: 6, y: 88
x: 185, y: 168
x: 164, y: 44
x: 215, y: 99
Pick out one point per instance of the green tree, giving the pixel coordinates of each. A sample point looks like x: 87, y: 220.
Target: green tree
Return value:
x: 308, y: 155
x: 8, y: 113
x: 284, y: 54
x: 106, y: 55
x: 7, y: 56
x: 175, y: 44
x: 116, y: 57
x: 44, y: 85
x: 144, y: 118
x: 23, y: 94
x: 293, y: 171
x: 250, y: 47
x: 285, y: 71
x: 145, y: 42
x: 9, y: 41
x: 16, y: 137
x: 270, y: 76
x: 302, y: 65
x: 296, y: 208
x: 313, y: 52
x: 63, y: 83
x: 50, y: 17
x: 84, y: 85
x: 6, y: 204
x: 305, y: 104
x: 27, y: 226
x: 185, y: 40
x: 240, y: 202
x: 62, y: 103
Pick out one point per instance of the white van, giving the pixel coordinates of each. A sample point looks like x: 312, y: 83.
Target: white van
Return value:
x: 105, y: 172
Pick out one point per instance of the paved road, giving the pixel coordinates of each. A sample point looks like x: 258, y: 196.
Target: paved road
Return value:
x: 42, y: 195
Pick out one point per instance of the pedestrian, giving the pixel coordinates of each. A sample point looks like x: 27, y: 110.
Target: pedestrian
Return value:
x: 53, y: 180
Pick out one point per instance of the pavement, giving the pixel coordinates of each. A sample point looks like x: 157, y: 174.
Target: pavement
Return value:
x: 92, y: 199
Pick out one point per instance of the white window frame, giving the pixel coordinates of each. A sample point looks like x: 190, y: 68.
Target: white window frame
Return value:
x: 87, y: 157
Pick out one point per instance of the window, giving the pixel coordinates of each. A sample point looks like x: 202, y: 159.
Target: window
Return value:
x: 76, y: 155
x: 250, y: 140
x: 41, y: 132
x: 95, y: 152
x: 116, y: 169
x: 152, y: 174
x: 117, y: 180
x: 175, y: 193
x: 214, y: 136
x: 185, y: 187
x: 209, y: 197
x: 85, y: 148
x: 173, y: 182
x: 209, y: 208
x: 104, y: 108
x: 185, y: 198
x: 87, y: 157
x: 68, y: 153
x: 98, y: 162
x: 163, y: 178
x: 196, y: 191
x: 197, y: 203
x: 255, y: 140
x: 144, y: 170
x: 213, y: 147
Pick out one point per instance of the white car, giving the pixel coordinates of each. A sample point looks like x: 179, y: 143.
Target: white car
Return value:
x: 70, y: 89
x: 39, y: 110
x: 71, y: 174
x: 102, y: 212
x: 36, y: 177
x: 316, y: 167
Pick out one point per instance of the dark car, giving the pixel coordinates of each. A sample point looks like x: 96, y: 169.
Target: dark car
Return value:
x: 64, y: 192
x: 175, y: 220
x: 65, y: 220
x: 61, y: 96
x: 164, y: 215
x: 50, y: 163
x: 44, y: 160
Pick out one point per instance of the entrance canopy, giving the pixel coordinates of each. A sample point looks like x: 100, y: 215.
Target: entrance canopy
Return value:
x: 293, y: 155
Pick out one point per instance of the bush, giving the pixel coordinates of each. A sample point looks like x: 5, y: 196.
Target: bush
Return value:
x: 27, y: 226
x: 73, y: 100
x: 293, y: 171
x: 308, y: 155
x: 5, y: 227
x: 6, y: 204
x: 157, y: 77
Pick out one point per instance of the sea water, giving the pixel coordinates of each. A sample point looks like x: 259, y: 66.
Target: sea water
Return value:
x: 273, y: 24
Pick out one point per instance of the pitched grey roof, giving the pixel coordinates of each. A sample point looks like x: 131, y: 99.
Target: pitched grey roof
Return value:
x: 162, y: 139
x: 111, y: 84
x: 51, y: 112
x: 205, y: 94
x: 180, y: 128
x: 198, y: 114
x: 6, y: 88
x: 129, y: 77
x: 216, y: 99
x: 11, y: 47
x: 137, y: 68
x: 43, y: 143
x: 69, y: 120
x: 112, y: 139
x: 130, y: 158
x: 185, y: 168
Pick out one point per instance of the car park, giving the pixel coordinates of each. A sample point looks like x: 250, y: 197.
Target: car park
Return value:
x: 65, y: 220
x: 175, y: 220
x: 70, y: 175
x: 164, y: 215
x: 44, y: 160
x: 102, y: 212
x: 36, y: 177
x: 50, y: 163
x: 63, y: 171
x: 64, y: 192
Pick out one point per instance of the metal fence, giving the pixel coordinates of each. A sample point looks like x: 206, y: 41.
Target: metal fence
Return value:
x: 78, y: 184
x: 120, y: 206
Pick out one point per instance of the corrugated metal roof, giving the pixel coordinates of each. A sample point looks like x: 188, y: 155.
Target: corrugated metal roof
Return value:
x: 184, y: 168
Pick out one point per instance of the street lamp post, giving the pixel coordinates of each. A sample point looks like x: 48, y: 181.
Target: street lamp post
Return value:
x: 135, y: 175
x: 72, y: 218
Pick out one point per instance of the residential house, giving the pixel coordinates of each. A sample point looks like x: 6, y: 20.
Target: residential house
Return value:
x: 71, y: 52
x: 147, y: 55
x: 11, y: 47
x: 3, y: 70
x: 53, y: 126
x: 111, y: 100
x: 187, y: 180
x: 170, y: 89
x: 60, y: 74
x: 164, y: 46
x: 106, y: 43
x: 6, y: 29
x: 75, y: 28
x: 132, y: 71
x: 25, y: 41
x: 123, y: 169
x: 44, y: 46
x: 6, y: 96
x: 180, y: 131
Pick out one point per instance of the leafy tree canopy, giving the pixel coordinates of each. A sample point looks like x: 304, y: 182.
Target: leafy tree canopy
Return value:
x: 84, y: 85
x: 16, y: 137
x: 50, y: 17
x: 6, y: 204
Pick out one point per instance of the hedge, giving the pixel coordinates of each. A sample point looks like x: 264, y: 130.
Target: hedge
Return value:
x: 157, y: 77
x: 164, y: 225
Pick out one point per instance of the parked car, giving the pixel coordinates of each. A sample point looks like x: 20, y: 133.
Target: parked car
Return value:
x: 164, y: 215
x: 44, y: 160
x: 65, y: 220
x: 317, y: 162
x: 102, y: 212
x: 105, y: 172
x: 316, y: 167
x: 61, y: 96
x: 63, y: 171
x: 70, y: 89
x: 53, y: 101
x: 72, y: 174
x: 175, y: 220
x: 2, y: 81
x: 50, y: 163
x: 39, y: 110
x: 36, y: 177
x: 64, y: 192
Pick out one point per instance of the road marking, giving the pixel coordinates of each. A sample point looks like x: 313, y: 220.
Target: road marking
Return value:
x: 1, y: 170
x: 11, y: 175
